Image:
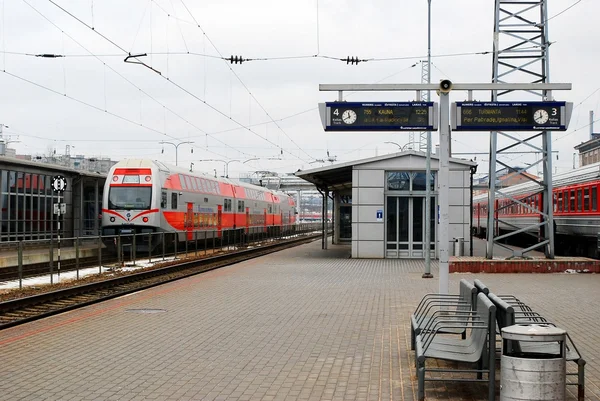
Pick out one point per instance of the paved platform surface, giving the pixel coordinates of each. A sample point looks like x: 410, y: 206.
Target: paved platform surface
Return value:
x: 301, y: 324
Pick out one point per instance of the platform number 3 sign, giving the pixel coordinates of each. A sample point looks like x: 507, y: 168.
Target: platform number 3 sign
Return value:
x: 59, y: 183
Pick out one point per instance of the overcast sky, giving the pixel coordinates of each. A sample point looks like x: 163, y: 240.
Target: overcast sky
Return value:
x: 103, y: 107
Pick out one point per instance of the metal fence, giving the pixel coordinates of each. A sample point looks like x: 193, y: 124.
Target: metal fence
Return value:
x: 50, y: 261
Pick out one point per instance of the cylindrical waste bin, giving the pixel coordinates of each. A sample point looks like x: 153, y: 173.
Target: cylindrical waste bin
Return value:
x: 459, y: 246
x: 533, y: 364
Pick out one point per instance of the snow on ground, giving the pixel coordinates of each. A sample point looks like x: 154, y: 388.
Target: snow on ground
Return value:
x: 72, y: 275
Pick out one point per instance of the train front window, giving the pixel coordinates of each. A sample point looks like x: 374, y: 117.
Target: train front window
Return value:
x: 129, y: 198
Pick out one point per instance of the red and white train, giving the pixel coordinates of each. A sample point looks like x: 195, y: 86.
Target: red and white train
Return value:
x: 576, y: 210
x: 144, y: 196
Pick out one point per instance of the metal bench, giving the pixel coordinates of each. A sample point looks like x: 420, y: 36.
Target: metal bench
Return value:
x: 475, y: 349
x: 514, y: 312
x: 433, y: 306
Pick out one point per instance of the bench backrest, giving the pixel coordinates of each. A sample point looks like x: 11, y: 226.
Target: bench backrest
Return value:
x: 487, y: 313
x: 480, y: 286
x: 468, y: 293
x: 505, y: 316
x: 505, y: 313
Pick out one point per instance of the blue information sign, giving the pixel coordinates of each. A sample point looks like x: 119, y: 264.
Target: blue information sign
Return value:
x: 379, y: 116
x: 511, y: 116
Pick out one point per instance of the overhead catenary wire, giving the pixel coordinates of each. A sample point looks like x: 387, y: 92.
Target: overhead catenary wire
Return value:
x: 168, y: 79
x: 126, y: 79
x: 245, y: 86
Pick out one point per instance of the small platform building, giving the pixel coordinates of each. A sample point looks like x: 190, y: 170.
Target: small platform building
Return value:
x: 379, y: 203
x: 27, y: 202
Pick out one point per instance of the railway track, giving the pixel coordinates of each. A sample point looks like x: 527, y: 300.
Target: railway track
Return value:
x: 19, y: 311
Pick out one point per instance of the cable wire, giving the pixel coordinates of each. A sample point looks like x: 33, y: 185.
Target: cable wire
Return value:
x: 172, y: 82
x: 244, y: 85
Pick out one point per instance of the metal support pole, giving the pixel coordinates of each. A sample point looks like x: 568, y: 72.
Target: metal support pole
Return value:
x: 59, y: 218
x: 99, y: 254
x: 51, y: 260
x: 20, y: 262
x: 149, y: 247
x: 427, y: 273
x: 77, y: 256
x: 444, y: 197
x: 547, y: 198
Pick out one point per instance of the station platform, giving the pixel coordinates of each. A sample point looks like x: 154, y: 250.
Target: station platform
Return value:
x: 300, y: 324
x: 535, y: 263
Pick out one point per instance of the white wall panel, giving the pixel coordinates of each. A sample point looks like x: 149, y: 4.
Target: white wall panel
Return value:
x: 368, y: 214
x: 371, y: 196
x: 371, y: 178
x: 370, y: 249
x: 370, y: 232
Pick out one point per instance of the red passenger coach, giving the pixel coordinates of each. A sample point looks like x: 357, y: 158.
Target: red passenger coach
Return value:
x: 576, y: 210
x: 143, y: 196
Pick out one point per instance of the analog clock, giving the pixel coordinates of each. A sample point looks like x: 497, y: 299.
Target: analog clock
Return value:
x: 349, y: 116
x: 540, y: 116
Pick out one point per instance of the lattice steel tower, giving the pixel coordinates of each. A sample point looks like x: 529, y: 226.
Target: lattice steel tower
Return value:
x: 425, y: 97
x: 521, y: 55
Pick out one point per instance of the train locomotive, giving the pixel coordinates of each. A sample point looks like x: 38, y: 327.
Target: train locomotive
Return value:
x: 143, y: 196
x: 575, y: 208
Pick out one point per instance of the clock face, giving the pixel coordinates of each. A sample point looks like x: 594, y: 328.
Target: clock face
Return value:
x: 540, y: 116
x: 349, y: 116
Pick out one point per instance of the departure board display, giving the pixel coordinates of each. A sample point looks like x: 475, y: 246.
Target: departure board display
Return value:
x: 379, y: 116
x: 509, y: 116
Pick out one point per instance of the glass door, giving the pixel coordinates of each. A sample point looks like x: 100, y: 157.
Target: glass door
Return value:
x: 405, y: 227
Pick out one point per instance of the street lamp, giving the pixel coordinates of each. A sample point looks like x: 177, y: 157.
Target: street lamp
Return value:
x: 176, y: 147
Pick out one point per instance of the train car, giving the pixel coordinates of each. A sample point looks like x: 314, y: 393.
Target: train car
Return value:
x: 144, y: 196
x: 575, y: 208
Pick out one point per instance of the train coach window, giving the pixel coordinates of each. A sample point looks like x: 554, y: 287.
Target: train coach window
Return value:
x: 174, y: 200
x: 163, y: 199
x: 559, y: 200
x: 594, y: 200
x: 241, y: 207
x: 572, y: 203
x: 205, y: 200
x: 182, y: 181
x: 579, y: 203
x: 586, y: 199
x: 227, y: 205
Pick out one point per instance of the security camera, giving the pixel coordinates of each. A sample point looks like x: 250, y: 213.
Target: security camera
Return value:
x: 445, y: 85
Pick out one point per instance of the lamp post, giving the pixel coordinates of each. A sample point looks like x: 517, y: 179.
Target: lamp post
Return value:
x: 176, y: 147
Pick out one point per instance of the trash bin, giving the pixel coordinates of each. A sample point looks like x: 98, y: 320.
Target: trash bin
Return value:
x: 459, y: 246
x: 533, y: 364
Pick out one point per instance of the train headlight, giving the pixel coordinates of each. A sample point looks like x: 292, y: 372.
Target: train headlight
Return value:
x: 115, y: 178
x: 145, y: 219
x: 112, y: 219
x: 147, y: 178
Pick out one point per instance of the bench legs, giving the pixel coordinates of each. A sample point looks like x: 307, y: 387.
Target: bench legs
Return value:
x: 580, y: 379
x: 421, y: 380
